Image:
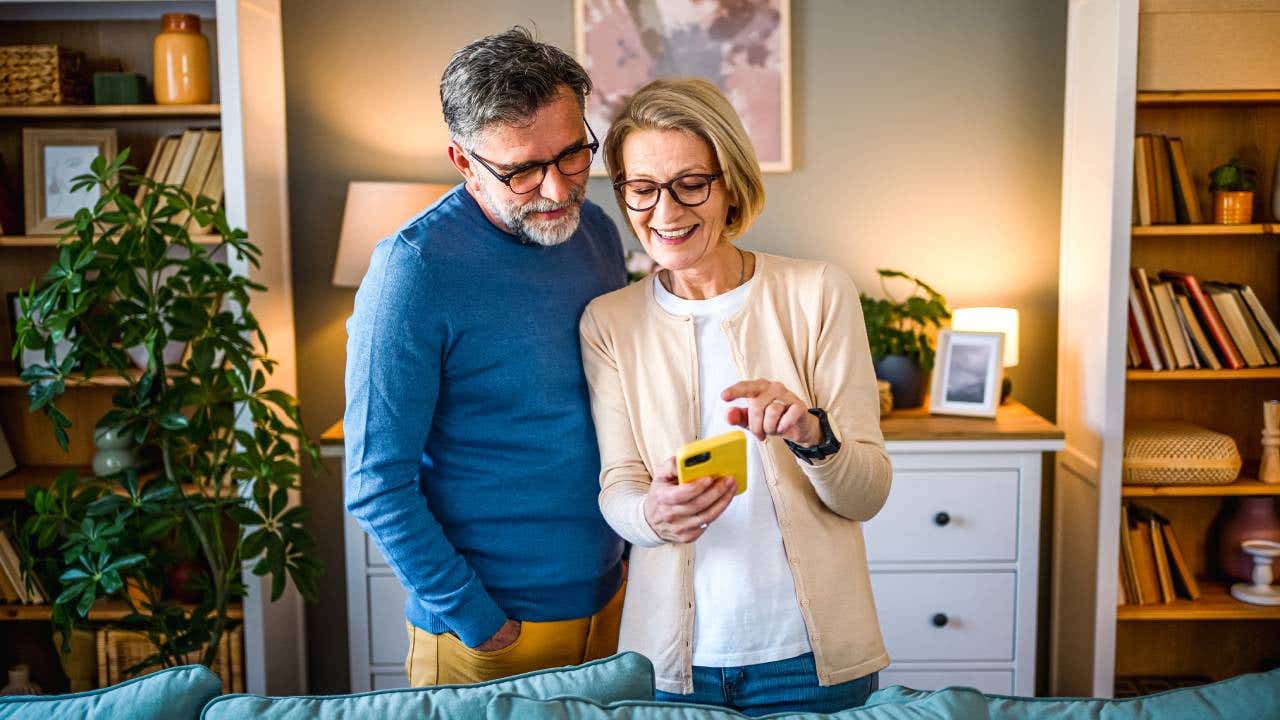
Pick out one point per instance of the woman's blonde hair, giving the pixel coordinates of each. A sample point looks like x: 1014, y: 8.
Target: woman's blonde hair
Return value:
x: 696, y: 107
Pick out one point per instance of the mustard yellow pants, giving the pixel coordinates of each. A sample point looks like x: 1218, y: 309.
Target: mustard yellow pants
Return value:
x: 444, y: 660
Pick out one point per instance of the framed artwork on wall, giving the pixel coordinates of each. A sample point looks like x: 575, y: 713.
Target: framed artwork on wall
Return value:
x: 967, y: 373
x: 51, y: 158
x: 742, y: 46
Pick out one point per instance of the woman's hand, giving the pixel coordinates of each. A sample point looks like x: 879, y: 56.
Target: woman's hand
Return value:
x: 772, y: 409
x: 681, y: 513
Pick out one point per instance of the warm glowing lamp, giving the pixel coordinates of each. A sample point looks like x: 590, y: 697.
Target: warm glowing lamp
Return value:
x: 992, y: 319
x: 374, y: 210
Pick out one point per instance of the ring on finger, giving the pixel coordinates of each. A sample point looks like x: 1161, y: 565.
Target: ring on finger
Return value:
x: 698, y: 519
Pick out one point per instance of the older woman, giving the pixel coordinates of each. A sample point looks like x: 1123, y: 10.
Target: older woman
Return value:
x: 759, y: 602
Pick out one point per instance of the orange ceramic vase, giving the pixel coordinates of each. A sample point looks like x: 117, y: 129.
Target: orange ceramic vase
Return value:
x: 182, y: 62
x: 1233, y: 207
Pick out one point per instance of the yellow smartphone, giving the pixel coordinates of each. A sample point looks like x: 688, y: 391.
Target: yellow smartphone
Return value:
x: 719, y: 456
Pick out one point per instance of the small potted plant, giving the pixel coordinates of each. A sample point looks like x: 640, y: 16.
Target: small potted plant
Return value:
x: 1232, y: 188
x: 898, y: 333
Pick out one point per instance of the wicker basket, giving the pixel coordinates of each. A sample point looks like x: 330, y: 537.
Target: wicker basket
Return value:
x: 1175, y: 453
x: 42, y: 75
x: 119, y: 650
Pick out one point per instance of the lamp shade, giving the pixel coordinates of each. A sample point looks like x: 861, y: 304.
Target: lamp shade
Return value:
x: 374, y: 210
x: 991, y: 319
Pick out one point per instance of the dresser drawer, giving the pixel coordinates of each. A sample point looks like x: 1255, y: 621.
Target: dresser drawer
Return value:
x: 993, y: 682
x: 946, y: 616
x: 388, y: 635
x: 371, y: 554
x: 946, y: 515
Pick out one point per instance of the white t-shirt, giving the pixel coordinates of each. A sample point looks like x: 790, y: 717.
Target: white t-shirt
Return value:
x: 745, y: 606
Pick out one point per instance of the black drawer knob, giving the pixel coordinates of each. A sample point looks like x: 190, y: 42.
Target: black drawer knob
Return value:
x: 940, y: 620
x: 941, y: 519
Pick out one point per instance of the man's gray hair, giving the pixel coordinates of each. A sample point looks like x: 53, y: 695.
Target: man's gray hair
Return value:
x: 505, y: 78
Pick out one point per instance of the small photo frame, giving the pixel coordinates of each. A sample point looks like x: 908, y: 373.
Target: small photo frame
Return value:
x: 967, y: 373
x: 30, y: 357
x: 51, y: 159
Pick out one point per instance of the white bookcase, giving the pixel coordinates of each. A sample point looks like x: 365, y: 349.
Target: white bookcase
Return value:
x: 249, y: 109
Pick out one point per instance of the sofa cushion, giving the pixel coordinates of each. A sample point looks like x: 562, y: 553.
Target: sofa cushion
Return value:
x: 176, y: 693
x: 950, y: 704
x: 1256, y: 696
x: 627, y: 676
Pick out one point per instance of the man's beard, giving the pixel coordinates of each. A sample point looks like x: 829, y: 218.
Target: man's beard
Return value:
x: 519, y: 218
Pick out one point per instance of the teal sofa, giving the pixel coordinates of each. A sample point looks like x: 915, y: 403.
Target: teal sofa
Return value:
x: 616, y: 688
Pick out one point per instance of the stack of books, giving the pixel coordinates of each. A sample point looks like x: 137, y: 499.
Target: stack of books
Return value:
x: 1179, y: 322
x: 16, y: 586
x: 1163, y: 192
x: 192, y: 161
x: 1152, y: 567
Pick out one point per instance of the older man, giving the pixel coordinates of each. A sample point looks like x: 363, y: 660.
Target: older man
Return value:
x: 471, y: 457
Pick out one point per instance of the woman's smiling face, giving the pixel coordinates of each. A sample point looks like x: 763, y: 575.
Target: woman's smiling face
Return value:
x: 675, y: 236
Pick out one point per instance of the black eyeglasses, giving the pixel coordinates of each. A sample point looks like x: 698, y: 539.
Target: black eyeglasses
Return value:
x: 689, y: 190
x: 527, y: 178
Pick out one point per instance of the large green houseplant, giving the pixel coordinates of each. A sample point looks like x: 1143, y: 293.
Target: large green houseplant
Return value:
x: 218, y: 450
x: 898, y: 332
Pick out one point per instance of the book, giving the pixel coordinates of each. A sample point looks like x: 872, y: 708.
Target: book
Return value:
x: 213, y: 183
x: 1186, y: 187
x: 1150, y: 357
x: 1229, y: 311
x: 183, y: 158
x: 1153, y: 191
x: 1158, y: 330
x: 1261, y: 316
x: 1122, y: 597
x: 1127, y: 563
x: 1162, y: 561
x: 1182, y: 572
x: 1169, y: 318
x: 1185, y: 328
x: 7, y: 463
x: 1141, y: 182
x: 1255, y: 328
x: 12, y: 568
x: 1208, y: 314
x: 8, y: 591
x: 1164, y: 182
x: 1135, y: 359
x: 1144, y: 561
x: 163, y: 157
x: 1204, y: 349
x: 206, y: 149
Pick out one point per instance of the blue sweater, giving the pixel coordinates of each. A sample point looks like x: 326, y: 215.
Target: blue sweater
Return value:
x: 471, y: 458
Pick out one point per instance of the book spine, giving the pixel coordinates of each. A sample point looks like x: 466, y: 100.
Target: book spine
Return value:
x: 1230, y: 355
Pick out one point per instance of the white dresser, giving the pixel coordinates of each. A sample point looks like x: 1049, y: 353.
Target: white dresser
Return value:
x: 954, y: 558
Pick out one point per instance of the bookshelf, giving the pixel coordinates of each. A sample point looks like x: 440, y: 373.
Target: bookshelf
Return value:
x: 1219, y: 111
x: 247, y: 107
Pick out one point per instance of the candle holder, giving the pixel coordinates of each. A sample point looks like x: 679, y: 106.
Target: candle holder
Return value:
x: 1269, y: 470
x: 1261, y: 592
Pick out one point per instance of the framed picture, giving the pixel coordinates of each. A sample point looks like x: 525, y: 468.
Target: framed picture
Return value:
x: 741, y: 46
x: 51, y: 158
x: 32, y: 357
x: 967, y: 373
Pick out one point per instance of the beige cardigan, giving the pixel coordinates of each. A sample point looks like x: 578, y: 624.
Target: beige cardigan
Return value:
x: 801, y: 325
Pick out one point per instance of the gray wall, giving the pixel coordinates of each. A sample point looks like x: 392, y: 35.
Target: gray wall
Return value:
x: 928, y: 138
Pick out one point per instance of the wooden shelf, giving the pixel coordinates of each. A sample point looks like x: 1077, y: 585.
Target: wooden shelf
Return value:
x: 103, y: 611
x: 87, y: 112
x: 9, y: 378
x: 1215, y: 603
x: 1196, y: 230
x: 52, y: 240
x: 1239, y: 487
x: 1208, y: 97
x: 1268, y: 373
x: 14, y: 485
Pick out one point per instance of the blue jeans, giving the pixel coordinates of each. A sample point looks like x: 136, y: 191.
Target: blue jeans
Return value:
x: 780, y: 686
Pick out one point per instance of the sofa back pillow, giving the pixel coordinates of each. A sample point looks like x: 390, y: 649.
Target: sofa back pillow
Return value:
x: 627, y: 676
x: 173, y: 694
x: 950, y: 704
x: 1255, y: 696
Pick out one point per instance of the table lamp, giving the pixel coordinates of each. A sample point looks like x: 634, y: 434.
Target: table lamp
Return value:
x: 373, y: 211
x: 992, y: 319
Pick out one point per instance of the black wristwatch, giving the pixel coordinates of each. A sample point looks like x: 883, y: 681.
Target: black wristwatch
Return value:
x: 825, y: 448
